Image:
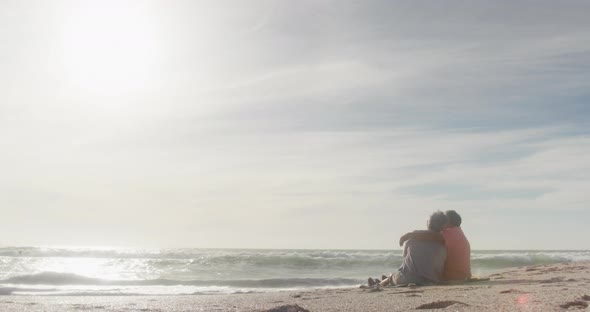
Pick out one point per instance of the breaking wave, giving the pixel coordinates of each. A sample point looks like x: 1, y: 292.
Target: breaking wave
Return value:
x: 79, y: 271
x: 59, y: 279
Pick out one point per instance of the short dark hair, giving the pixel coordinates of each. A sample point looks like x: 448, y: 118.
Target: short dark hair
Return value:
x: 437, y: 221
x: 454, y: 217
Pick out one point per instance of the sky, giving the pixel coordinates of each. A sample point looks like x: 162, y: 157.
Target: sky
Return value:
x: 293, y: 124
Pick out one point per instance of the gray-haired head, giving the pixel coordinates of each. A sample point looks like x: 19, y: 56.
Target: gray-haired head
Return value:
x: 437, y: 221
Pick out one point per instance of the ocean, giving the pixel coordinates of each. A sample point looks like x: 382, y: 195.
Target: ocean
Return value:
x: 125, y: 271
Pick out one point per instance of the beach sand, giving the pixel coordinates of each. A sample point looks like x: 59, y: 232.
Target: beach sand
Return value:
x: 556, y: 287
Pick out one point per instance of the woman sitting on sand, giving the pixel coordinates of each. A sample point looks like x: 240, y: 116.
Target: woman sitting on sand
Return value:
x: 424, y: 260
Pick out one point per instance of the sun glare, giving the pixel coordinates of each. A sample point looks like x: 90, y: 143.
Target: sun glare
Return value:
x: 109, y: 49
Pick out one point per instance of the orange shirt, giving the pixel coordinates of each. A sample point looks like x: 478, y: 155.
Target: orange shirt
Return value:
x: 458, y: 263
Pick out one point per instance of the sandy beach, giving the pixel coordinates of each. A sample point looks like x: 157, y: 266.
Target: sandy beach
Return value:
x: 556, y: 287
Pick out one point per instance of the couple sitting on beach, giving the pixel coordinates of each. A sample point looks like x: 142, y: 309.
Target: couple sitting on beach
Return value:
x: 439, y: 254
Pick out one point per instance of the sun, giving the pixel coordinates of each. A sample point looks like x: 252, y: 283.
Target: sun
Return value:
x: 109, y: 48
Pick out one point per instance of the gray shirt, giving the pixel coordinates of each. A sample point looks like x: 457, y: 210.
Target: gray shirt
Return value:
x: 424, y: 261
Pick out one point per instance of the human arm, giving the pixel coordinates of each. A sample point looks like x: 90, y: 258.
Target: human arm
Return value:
x: 422, y: 235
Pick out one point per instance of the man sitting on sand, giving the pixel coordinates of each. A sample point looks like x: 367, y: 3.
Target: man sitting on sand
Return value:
x: 458, y: 263
x: 424, y: 260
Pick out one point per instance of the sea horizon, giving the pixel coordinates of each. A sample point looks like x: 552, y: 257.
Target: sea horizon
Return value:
x: 115, y: 247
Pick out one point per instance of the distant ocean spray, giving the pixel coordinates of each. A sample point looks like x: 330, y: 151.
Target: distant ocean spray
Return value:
x: 84, y: 271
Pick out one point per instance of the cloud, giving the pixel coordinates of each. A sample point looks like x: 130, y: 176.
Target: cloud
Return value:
x: 328, y: 114
x: 471, y: 192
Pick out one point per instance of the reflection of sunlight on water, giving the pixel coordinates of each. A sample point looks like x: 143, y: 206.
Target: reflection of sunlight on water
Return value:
x: 88, y: 267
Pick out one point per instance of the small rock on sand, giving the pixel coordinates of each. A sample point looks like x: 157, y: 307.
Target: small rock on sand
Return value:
x: 512, y: 291
x: 439, y: 304
x: 575, y: 304
x: 288, y: 308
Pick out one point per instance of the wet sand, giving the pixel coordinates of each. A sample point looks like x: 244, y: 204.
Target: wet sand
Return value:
x: 557, y: 287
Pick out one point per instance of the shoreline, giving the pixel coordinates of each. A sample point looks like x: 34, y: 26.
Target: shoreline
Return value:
x: 554, y: 287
